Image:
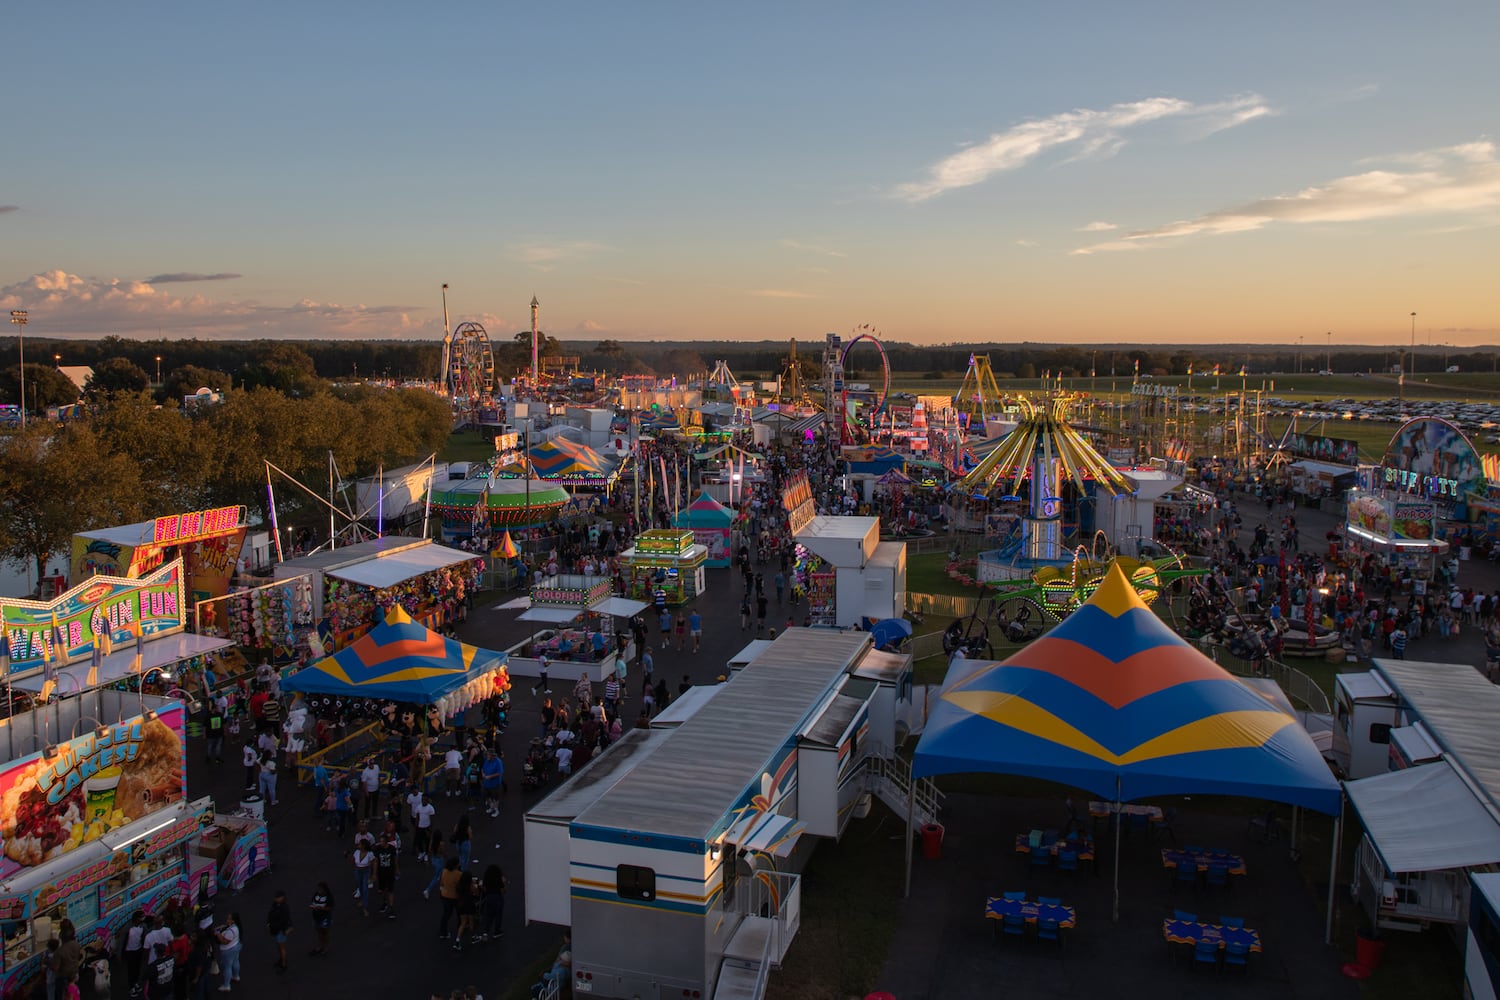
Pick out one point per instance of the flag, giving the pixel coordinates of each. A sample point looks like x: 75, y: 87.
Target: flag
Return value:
x: 96, y: 660
x: 1216, y: 371
x: 140, y: 647
x: 54, y: 645
x: 1190, y: 369
x: 1138, y: 365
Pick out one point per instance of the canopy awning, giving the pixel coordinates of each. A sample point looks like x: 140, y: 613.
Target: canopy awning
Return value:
x: 387, y: 571
x: 552, y: 616
x: 154, y: 653
x: 620, y: 607
x: 768, y: 833
x: 1425, y: 818
x: 523, y: 601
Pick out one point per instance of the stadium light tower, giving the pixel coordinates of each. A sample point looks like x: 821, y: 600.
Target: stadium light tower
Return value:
x: 19, y: 318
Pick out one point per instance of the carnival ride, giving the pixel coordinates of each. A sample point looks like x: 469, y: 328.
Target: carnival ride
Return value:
x: 469, y: 362
x: 1040, y: 455
x: 1022, y: 610
x: 835, y: 364
x: 978, y: 397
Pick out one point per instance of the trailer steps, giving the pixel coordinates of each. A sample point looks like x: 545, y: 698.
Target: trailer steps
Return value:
x: 748, y: 960
x: 739, y: 979
x: 889, y: 779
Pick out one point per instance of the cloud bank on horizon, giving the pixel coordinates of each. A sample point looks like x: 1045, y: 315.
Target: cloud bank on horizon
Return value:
x: 73, y: 305
x: 1088, y: 133
x: 1456, y: 179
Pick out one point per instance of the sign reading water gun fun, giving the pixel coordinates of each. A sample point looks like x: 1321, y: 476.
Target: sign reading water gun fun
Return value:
x: 67, y: 628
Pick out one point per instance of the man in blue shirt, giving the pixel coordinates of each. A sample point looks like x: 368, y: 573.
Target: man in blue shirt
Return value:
x: 492, y: 777
x: 601, y: 645
x: 695, y: 629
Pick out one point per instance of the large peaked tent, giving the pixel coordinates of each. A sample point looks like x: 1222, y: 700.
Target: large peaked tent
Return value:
x: 401, y: 660
x: 1114, y: 702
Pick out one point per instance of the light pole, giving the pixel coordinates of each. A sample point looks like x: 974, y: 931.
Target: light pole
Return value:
x: 19, y: 318
x: 1299, y: 354
x: 158, y: 370
x: 1414, y: 343
x: 1328, y: 361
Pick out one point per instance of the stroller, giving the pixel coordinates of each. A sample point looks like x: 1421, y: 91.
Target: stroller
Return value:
x: 536, y: 770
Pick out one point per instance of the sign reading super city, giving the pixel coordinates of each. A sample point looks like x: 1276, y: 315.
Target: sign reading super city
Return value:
x: 69, y: 626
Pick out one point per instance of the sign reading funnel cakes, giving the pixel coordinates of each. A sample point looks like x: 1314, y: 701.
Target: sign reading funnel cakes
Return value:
x: 50, y: 804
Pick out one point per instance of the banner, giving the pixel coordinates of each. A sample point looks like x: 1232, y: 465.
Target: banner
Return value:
x: 82, y: 615
x: 88, y: 786
x: 1340, y: 451
x: 1430, y: 457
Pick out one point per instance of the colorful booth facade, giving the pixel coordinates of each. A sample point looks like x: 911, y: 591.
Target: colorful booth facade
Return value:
x: 668, y: 559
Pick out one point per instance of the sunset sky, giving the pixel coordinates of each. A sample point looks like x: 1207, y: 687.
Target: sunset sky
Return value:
x: 1154, y: 172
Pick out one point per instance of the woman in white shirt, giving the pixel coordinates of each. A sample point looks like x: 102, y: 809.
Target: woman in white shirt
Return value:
x: 364, y: 859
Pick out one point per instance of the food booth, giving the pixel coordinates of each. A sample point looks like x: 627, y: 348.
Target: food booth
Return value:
x: 208, y: 542
x: 668, y: 558
x: 95, y: 824
x: 568, y: 608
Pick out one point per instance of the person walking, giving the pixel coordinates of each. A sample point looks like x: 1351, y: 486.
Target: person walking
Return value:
x: 364, y: 863
x: 492, y: 777
x: 369, y: 786
x: 541, y: 686
x: 679, y: 628
x: 213, y: 731
x: 491, y: 903
x: 230, y: 945
x: 250, y: 758
x: 462, y: 841
x: 466, y: 906
x: 437, y: 856
x: 321, y: 907
x: 387, y: 869
x: 279, y: 925
x: 135, y: 951
x: 695, y: 629
x: 448, y: 889
x: 421, y: 817
x: 267, y: 783
x: 648, y: 664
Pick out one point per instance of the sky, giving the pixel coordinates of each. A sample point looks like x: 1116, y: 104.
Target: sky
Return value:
x: 944, y: 172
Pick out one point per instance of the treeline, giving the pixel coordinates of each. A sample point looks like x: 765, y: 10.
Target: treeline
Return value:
x: 125, y: 459
x: 294, y: 366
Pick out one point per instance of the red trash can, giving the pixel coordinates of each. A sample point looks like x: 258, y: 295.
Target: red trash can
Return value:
x: 932, y: 841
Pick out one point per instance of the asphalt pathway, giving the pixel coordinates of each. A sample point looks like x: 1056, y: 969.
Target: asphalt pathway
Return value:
x: 403, y: 957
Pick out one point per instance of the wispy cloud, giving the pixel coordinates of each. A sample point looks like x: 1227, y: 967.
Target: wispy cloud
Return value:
x: 9, y: 208
x: 1092, y: 133
x: 1097, y: 227
x: 589, y: 326
x: 545, y: 256
x: 779, y: 293
x: 177, y: 276
x: 1027, y: 243
x: 1454, y: 179
x: 810, y: 248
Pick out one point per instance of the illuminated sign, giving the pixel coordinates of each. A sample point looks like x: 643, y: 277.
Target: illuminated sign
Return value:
x: 1412, y: 482
x: 89, y: 786
x: 1152, y: 389
x: 178, y: 529
x: 153, y: 605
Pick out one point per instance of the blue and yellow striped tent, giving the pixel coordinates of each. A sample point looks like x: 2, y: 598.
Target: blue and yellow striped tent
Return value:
x: 1114, y: 702
x: 398, y: 660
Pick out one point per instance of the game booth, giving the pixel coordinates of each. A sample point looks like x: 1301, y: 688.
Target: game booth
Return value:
x: 427, y: 680
x: 348, y: 585
x: 666, y: 558
x: 96, y: 824
x: 574, y: 620
x: 1428, y: 471
x: 105, y: 630
x: 207, y: 541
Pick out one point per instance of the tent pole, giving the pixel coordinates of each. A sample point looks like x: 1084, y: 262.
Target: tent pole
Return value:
x: 1333, y: 868
x: 1119, y: 815
x: 911, y: 809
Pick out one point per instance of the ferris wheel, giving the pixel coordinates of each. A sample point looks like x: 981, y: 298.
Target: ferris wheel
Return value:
x: 471, y: 362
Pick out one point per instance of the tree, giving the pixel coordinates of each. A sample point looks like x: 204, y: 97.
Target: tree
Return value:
x: 176, y: 453
x: 113, y: 376
x: 45, y: 386
x: 188, y: 379
x: 58, y: 480
x: 285, y: 368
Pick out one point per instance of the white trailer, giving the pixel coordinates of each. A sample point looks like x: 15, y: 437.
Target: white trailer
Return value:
x: 683, y: 844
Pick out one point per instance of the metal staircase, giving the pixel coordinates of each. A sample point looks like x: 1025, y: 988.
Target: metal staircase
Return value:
x: 888, y: 778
